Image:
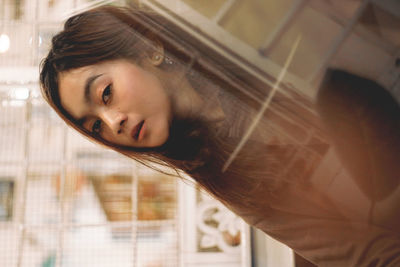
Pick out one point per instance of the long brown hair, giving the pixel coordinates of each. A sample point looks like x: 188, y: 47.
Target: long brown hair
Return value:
x: 194, y: 145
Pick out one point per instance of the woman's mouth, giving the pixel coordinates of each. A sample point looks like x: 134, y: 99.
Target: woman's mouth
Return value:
x: 136, y: 131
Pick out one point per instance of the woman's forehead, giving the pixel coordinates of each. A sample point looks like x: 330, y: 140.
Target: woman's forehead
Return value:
x: 75, y: 73
x: 72, y: 75
x: 71, y: 89
x: 77, y: 77
x: 89, y: 69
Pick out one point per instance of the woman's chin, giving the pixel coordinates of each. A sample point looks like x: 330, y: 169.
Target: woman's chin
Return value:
x: 156, y: 140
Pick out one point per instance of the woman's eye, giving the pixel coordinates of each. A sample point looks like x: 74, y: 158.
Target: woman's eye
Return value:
x: 96, y: 128
x: 106, y: 94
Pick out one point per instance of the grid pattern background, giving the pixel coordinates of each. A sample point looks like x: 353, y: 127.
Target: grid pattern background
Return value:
x: 64, y: 201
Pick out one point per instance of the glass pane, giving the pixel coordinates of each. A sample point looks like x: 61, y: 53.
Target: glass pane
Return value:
x: 77, y: 146
x: 43, y: 204
x: 157, y: 245
x: 45, y: 34
x: 40, y: 247
x: 316, y: 40
x: 114, y: 192
x: 97, y: 246
x: 45, y: 139
x: 360, y: 59
x: 382, y: 23
x: 208, y: 8
x: 9, y: 245
x: 341, y: 9
x: 109, y: 246
x: 98, y: 188
x: 45, y: 142
x: 18, y: 51
x: 156, y: 197
x: 12, y: 122
x: 254, y: 20
x: 52, y: 9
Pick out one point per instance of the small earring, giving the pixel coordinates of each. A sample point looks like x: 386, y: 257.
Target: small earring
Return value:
x: 168, y: 61
x: 157, y: 57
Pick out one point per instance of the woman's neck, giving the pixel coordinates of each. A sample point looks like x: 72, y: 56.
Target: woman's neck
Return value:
x: 187, y: 102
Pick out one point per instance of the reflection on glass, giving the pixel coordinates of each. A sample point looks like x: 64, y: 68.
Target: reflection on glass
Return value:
x: 317, y: 39
x: 207, y: 8
x: 381, y: 22
x: 253, y: 21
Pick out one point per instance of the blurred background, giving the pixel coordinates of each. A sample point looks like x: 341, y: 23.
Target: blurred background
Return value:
x: 66, y: 202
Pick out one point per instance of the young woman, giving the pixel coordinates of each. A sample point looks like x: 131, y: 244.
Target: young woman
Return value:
x: 121, y: 79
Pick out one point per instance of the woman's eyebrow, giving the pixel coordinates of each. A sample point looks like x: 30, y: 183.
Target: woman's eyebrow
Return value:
x: 88, y: 85
x: 81, y: 121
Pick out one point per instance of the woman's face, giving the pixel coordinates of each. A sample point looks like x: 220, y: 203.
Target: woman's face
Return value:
x: 119, y: 101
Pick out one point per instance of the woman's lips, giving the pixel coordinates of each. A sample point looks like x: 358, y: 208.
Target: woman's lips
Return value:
x: 136, y: 131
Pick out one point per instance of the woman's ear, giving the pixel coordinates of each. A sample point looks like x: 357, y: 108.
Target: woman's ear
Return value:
x: 156, y: 53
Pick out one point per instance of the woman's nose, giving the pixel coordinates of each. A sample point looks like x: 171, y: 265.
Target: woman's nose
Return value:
x: 115, y: 120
